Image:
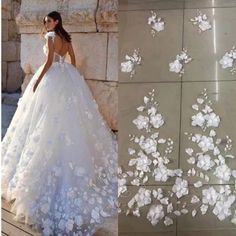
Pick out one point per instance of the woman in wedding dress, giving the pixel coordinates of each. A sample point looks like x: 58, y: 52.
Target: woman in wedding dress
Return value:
x: 59, y: 157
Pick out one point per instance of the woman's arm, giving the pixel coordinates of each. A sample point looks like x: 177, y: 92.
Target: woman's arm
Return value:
x: 48, y: 62
x: 49, y: 58
x: 72, y: 54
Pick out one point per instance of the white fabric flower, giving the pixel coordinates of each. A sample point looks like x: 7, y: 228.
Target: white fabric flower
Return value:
x: 149, y: 145
x: 158, y: 26
x: 180, y: 188
x: 161, y: 173
x: 156, y: 23
x: 142, y: 163
x: 156, y: 120
x: 226, y: 61
x: 142, y: 198
x: 155, y: 214
x: 206, y: 143
x: 69, y: 224
x: 205, y: 162
x: 168, y: 221
x: 121, y: 186
x: 209, y: 196
x: 141, y: 122
x: 198, y: 119
x: 202, y: 21
x: 204, y: 25
x: 223, y: 172
x: 127, y: 66
x: 175, y: 66
x: 212, y: 120
x: 222, y: 208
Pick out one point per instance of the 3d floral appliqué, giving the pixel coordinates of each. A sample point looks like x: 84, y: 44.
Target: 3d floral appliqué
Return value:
x: 131, y: 62
x: 177, y: 66
x: 228, y: 60
x: 201, y: 20
x: 157, y: 23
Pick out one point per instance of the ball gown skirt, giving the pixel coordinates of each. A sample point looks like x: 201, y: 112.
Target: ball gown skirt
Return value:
x: 59, y: 157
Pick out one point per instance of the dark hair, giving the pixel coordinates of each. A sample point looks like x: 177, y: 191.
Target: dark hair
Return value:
x: 58, y: 28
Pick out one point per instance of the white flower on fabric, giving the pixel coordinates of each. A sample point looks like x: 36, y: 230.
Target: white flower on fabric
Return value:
x: 156, y: 120
x: 202, y: 21
x: 127, y: 66
x: 222, y: 208
x: 181, y: 59
x: 141, y: 122
x: 198, y: 119
x: 204, y: 25
x: 143, y: 197
x: 95, y: 215
x: 168, y: 221
x: 194, y: 212
x: 135, y: 182
x: 189, y: 151
x: 198, y: 184
x: 212, y: 133
x: 131, y: 151
x: 158, y: 194
x: 148, y: 145
x: 195, y: 199
x: 204, y: 162
x: 131, y: 62
x: 204, y: 209
x: 161, y: 173
x: 155, y: 214
x: 121, y: 186
x: 227, y: 61
x: 223, y: 172
x: 142, y: 163
x: 206, y: 143
x: 212, y: 120
x: 169, y: 208
x: 156, y: 23
x: 209, y: 196
x: 70, y: 224
x: 207, y: 109
x: 191, y: 160
x: 176, y: 66
x: 180, y: 188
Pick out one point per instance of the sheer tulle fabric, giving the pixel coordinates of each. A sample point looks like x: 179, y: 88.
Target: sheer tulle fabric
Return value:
x: 59, y: 157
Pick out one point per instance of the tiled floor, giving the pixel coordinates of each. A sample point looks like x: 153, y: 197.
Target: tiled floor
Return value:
x: 176, y: 94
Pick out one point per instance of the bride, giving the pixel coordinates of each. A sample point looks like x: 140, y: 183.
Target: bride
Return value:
x: 59, y: 157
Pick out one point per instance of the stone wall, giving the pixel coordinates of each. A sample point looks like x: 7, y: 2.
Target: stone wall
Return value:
x: 12, y: 75
x: 93, y: 25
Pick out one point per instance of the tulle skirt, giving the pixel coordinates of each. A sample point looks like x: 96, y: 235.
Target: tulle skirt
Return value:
x: 59, y: 157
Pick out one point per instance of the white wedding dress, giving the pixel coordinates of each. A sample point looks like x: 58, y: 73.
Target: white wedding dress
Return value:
x: 59, y: 157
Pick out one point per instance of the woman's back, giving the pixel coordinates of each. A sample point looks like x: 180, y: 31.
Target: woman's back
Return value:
x: 61, y: 46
